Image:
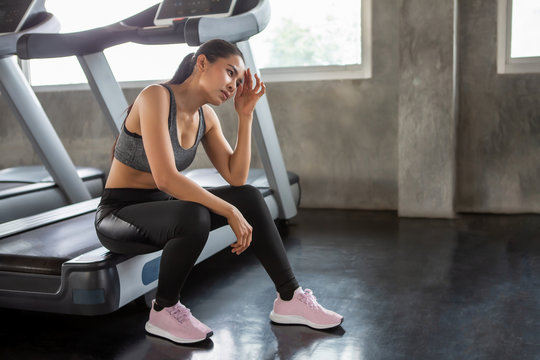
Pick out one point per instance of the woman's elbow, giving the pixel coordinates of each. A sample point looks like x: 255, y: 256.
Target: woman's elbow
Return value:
x: 237, y: 181
x: 162, y: 182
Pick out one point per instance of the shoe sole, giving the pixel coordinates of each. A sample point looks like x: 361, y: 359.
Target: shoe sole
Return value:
x: 154, y: 330
x: 299, y: 320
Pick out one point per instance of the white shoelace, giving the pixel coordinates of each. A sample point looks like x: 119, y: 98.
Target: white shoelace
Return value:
x: 309, y: 299
x: 179, y: 312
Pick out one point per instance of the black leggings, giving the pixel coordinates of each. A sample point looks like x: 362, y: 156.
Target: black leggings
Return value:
x: 138, y: 221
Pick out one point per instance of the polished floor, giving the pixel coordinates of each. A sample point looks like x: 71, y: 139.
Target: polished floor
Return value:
x: 408, y: 288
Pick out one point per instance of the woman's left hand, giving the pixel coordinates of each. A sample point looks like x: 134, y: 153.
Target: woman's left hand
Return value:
x: 247, y: 95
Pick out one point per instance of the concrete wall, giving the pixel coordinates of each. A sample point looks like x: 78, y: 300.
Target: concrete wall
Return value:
x: 344, y: 138
x: 427, y: 125
x: 340, y: 136
x: 499, y: 125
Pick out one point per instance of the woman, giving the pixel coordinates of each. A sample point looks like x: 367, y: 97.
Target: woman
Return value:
x: 148, y: 205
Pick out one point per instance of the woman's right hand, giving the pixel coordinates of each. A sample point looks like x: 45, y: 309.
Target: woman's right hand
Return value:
x: 242, y: 229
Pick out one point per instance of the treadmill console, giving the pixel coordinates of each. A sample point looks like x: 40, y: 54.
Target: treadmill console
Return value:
x: 13, y: 14
x: 171, y: 10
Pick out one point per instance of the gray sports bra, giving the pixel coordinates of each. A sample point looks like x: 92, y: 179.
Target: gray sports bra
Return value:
x: 129, y: 148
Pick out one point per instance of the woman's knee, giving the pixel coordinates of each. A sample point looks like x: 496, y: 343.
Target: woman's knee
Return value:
x: 250, y: 193
x: 194, y: 223
x: 251, y: 203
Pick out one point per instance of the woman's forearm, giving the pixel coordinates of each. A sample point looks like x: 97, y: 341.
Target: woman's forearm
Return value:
x: 183, y: 188
x: 241, y: 158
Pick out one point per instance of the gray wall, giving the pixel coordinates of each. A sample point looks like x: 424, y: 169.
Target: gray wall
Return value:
x: 426, y: 116
x: 499, y: 125
x: 353, y: 141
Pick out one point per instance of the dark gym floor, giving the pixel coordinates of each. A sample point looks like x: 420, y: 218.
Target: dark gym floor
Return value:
x: 409, y: 289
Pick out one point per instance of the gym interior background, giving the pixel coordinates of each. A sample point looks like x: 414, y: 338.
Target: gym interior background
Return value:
x: 396, y: 142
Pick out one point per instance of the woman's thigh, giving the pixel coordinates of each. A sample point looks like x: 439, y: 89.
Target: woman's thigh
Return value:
x: 147, y: 226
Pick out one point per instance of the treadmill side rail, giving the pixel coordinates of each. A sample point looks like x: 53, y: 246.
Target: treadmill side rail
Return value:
x: 48, y: 217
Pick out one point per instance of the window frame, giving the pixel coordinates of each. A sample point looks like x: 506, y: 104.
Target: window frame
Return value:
x: 331, y: 72
x: 280, y: 74
x: 505, y: 63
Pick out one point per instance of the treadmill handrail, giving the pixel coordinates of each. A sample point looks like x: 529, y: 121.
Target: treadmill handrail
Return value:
x: 48, y: 217
x: 44, y: 46
x: 140, y: 29
x: 27, y: 188
x: 200, y: 30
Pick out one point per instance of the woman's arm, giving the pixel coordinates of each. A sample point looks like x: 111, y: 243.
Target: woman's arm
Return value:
x: 153, y: 108
x: 234, y: 165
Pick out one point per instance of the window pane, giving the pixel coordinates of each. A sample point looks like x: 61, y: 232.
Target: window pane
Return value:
x: 300, y: 33
x: 129, y: 62
x: 525, y: 28
x: 310, y: 33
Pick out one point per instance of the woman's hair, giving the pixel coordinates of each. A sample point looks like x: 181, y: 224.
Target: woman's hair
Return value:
x: 212, y: 49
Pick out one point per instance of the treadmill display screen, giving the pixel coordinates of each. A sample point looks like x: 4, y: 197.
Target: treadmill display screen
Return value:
x: 170, y: 10
x: 13, y: 14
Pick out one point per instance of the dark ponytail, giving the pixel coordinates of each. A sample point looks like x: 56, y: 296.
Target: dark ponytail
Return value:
x: 212, y: 49
x: 185, y: 69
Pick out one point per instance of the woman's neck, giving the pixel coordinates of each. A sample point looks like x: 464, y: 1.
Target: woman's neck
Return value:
x: 188, y: 98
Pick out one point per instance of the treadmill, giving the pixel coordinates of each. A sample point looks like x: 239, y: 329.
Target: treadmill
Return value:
x: 53, y: 261
x: 28, y: 190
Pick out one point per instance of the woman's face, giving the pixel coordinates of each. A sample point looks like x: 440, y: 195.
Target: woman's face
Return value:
x: 221, y: 78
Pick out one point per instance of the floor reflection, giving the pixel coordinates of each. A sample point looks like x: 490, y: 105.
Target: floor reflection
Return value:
x: 408, y: 289
x: 300, y: 342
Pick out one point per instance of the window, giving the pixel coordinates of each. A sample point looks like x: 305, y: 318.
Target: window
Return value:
x: 315, y: 40
x: 329, y: 44
x: 518, y: 37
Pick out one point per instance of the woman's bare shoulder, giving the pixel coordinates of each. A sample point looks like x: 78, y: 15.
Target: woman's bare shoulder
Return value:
x: 153, y: 93
x: 151, y: 104
x: 210, y: 116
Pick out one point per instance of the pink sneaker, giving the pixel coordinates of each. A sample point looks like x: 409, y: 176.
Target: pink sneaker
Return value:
x: 304, y: 309
x: 177, y: 324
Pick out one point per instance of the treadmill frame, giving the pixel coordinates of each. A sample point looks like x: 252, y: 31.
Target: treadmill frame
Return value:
x: 100, y: 282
